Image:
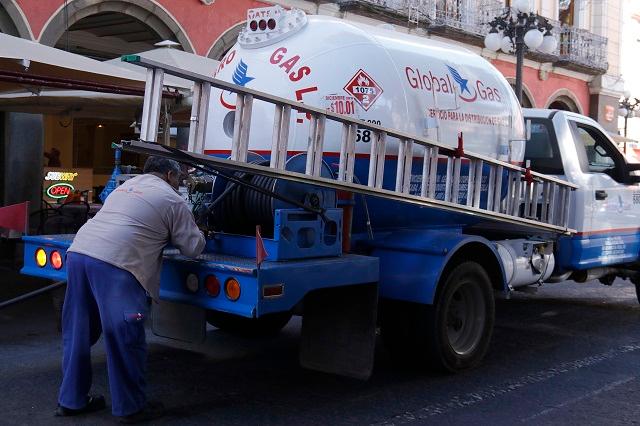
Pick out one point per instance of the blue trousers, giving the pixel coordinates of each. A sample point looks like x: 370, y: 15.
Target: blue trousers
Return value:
x: 100, y: 299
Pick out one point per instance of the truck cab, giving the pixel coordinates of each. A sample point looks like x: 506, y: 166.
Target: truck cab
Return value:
x: 605, y: 207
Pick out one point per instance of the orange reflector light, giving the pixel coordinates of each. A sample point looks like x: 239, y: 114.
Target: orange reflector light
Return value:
x: 56, y: 259
x: 232, y: 289
x: 41, y: 257
x: 212, y: 285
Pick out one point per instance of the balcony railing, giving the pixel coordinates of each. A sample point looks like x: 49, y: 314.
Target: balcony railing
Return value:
x: 467, y: 20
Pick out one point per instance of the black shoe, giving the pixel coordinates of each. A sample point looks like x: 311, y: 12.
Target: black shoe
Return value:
x: 152, y: 410
x: 95, y: 403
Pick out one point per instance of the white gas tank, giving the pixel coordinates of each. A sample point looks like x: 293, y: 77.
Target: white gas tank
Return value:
x: 404, y: 82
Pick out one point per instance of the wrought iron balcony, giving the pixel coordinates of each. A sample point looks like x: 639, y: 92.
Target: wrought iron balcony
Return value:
x: 466, y: 20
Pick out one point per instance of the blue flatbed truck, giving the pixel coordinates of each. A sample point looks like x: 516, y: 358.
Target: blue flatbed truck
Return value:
x: 226, y: 286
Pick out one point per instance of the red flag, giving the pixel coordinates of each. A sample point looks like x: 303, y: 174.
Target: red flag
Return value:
x: 15, y: 216
x: 261, y: 252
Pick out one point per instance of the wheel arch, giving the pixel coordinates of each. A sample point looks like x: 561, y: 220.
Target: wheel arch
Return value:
x: 414, y: 263
x: 482, y: 252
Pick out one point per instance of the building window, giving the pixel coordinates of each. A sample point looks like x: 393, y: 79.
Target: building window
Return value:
x: 566, y: 11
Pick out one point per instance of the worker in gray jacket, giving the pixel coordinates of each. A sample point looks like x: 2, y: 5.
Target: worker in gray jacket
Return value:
x: 113, y: 265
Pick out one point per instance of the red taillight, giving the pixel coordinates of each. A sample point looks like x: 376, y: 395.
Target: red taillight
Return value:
x: 212, y: 285
x: 262, y: 25
x: 271, y: 23
x: 253, y: 25
x: 56, y: 259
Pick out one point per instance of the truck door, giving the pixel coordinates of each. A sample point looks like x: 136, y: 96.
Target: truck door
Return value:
x: 544, y: 155
x: 613, y: 234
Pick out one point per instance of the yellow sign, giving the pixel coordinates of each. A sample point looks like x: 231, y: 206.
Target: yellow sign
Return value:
x: 66, y: 176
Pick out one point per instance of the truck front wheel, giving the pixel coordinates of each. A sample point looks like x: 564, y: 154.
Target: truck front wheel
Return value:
x: 458, y: 326
x: 265, y: 325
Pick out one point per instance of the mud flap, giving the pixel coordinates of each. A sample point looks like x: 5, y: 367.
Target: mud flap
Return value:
x: 178, y: 321
x: 339, y: 330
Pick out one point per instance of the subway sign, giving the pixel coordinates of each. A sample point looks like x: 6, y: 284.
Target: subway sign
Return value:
x: 60, y: 190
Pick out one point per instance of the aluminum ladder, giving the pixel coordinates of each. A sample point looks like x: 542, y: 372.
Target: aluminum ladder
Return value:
x: 532, y: 200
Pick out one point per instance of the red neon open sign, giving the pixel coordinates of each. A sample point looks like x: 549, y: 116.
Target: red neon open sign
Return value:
x: 59, y: 190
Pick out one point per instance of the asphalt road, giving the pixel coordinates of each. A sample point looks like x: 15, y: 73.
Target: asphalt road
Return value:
x: 569, y: 354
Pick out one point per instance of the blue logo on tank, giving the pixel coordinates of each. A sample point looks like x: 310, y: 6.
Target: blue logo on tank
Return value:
x: 240, y: 74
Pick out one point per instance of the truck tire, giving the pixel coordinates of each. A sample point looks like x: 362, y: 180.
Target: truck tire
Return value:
x: 265, y: 325
x: 418, y: 336
x: 459, y: 325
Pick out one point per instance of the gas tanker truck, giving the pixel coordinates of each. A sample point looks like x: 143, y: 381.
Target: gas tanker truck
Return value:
x: 368, y: 179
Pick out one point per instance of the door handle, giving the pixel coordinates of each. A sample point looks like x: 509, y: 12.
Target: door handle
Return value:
x: 601, y: 194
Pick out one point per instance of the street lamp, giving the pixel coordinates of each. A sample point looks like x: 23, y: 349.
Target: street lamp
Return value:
x: 627, y: 107
x: 518, y: 27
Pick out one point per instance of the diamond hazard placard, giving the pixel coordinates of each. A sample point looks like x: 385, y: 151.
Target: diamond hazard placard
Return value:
x: 364, y: 89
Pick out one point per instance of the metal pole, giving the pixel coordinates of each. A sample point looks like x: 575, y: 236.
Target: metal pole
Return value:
x: 625, y: 124
x: 31, y: 294
x: 519, y: 61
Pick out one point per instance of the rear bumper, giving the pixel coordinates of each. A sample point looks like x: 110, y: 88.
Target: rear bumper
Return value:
x: 294, y: 278
x: 49, y: 243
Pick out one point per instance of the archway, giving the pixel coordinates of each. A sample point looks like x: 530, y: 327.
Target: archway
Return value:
x: 564, y: 100
x: 107, y: 27
x: 564, y: 104
x: 222, y: 45
x: 12, y: 21
x: 527, y: 98
x: 108, y: 35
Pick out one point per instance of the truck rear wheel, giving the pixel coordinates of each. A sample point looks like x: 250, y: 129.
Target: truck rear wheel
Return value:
x: 451, y: 335
x: 265, y: 325
x: 459, y: 324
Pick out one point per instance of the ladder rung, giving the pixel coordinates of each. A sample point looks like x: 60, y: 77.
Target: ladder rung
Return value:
x: 471, y: 181
x: 313, y: 124
x: 201, y: 119
x: 283, y: 142
x: 552, y: 203
x: 455, y: 186
x: 534, y: 202
x: 151, y: 105
x: 447, y: 180
x: 315, y: 145
x: 426, y: 162
x: 433, y: 172
x: 491, y: 187
x: 517, y: 195
x: 241, y: 128
x: 528, y: 189
x: 403, y: 168
x: 347, y: 152
x: 566, y: 200
x: 276, y: 138
x: 497, y: 191
x: 193, y: 119
x: 508, y: 201
x: 377, y: 159
x: 477, y: 190
x: 545, y: 202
